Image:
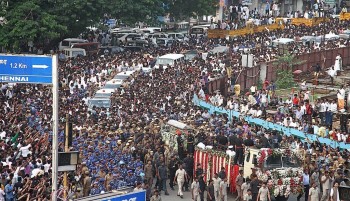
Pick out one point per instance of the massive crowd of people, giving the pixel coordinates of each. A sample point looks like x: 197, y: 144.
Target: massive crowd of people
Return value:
x: 122, y: 146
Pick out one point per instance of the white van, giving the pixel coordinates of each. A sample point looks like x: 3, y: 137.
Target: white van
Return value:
x: 104, y: 93
x: 69, y: 42
x: 124, y: 75
x: 199, y: 30
x: 74, y: 52
x: 169, y: 59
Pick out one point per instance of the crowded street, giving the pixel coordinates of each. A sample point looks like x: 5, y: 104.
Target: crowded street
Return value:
x: 174, y: 120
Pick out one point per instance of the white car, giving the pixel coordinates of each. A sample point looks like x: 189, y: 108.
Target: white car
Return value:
x: 124, y: 75
x: 177, y: 36
x: 99, y: 103
x: 127, y: 37
x: 104, y: 93
x: 113, y: 84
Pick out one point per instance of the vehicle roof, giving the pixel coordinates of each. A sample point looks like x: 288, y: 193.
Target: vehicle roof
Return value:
x: 172, y: 56
x: 74, y: 39
x: 115, y: 81
x: 76, y: 49
x: 283, y: 40
x: 105, y: 91
x: 201, y: 26
x: 86, y: 43
x: 151, y: 28
x: 99, y: 98
x: 130, y: 72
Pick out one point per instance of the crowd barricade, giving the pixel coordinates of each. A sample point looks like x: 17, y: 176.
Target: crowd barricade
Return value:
x: 344, y: 16
x: 270, y: 125
x: 212, y: 161
x: 219, y: 33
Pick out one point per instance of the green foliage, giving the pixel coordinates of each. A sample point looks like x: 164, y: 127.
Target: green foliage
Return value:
x: 259, y: 84
x: 284, y: 65
x: 182, y: 9
x: 44, y: 21
x: 131, y: 11
x: 288, y: 60
x: 285, y: 79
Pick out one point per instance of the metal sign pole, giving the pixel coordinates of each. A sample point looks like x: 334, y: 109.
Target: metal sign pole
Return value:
x: 66, y: 149
x: 55, y: 108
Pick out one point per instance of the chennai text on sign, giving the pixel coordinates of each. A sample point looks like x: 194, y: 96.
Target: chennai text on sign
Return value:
x: 3, y: 61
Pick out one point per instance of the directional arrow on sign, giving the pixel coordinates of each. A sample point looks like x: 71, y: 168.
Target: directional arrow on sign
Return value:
x: 40, y: 66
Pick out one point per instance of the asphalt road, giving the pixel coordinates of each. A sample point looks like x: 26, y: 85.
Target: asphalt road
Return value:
x: 188, y: 197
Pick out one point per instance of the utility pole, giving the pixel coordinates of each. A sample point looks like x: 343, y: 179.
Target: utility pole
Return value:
x: 66, y: 149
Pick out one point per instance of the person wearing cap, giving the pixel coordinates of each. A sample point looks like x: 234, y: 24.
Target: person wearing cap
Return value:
x: 101, y: 185
x: 86, y: 184
x: 130, y: 179
x: 114, y: 183
x: 148, y: 169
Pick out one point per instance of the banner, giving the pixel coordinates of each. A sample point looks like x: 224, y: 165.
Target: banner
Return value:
x: 270, y: 125
x: 138, y: 196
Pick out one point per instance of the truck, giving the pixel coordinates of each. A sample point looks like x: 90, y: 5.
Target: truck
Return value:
x: 281, y: 169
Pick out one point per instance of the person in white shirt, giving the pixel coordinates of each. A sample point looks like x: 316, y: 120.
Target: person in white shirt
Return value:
x: 216, y: 181
x: 332, y: 73
x: 195, y: 189
x: 229, y: 105
x: 263, y: 99
x: 252, y: 111
x: 223, y: 190
x: 180, y: 176
x: 25, y: 150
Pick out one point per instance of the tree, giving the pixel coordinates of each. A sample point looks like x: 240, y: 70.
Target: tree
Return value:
x: 183, y: 9
x: 41, y: 21
x: 131, y: 11
x: 284, y: 70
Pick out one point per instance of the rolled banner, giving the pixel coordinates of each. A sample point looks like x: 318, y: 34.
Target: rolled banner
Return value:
x: 205, y: 166
x: 229, y: 171
x: 208, y: 168
x: 196, y: 152
x: 220, y: 163
x: 212, y: 171
x: 215, y: 164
